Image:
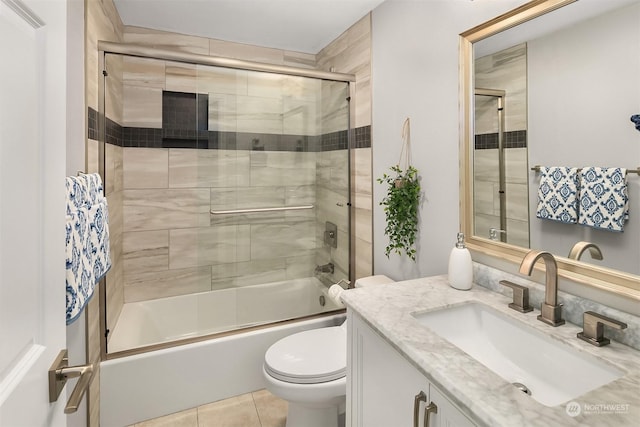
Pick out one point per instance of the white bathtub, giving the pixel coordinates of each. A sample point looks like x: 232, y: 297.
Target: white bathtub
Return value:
x: 160, y: 382
x: 169, y: 319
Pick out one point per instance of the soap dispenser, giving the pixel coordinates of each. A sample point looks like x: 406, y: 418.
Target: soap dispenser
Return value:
x: 460, y: 266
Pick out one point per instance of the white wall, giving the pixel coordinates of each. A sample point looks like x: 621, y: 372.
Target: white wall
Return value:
x: 415, y: 74
x: 579, y: 110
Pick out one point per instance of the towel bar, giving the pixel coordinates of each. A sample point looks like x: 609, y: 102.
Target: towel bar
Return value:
x: 536, y: 168
x: 280, y: 208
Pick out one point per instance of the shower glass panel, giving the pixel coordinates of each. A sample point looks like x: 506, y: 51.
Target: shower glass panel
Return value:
x: 500, y: 194
x: 226, y: 183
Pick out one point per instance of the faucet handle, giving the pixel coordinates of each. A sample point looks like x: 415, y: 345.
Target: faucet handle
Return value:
x: 520, y: 297
x: 593, y: 328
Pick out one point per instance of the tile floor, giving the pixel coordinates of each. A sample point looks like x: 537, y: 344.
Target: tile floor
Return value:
x: 257, y: 409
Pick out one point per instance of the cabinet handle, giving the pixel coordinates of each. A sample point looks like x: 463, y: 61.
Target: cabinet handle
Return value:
x: 431, y: 408
x: 420, y: 397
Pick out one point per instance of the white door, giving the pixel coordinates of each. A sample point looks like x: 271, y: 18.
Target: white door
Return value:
x: 32, y: 170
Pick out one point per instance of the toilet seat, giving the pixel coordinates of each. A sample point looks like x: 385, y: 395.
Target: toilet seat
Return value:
x: 309, y: 357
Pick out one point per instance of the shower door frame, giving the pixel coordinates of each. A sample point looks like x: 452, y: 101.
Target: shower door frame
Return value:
x: 499, y: 95
x: 106, y: 47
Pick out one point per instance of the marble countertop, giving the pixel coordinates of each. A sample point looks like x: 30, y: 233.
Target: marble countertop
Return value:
x: 480, y: 393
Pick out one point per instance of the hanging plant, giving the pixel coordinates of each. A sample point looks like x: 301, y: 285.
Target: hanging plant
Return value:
x: 401, y: 203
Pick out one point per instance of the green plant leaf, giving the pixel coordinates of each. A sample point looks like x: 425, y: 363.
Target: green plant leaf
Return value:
x: 401, y: 205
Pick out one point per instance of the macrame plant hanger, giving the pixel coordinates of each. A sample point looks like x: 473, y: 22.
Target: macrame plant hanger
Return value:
x: 405, y: 152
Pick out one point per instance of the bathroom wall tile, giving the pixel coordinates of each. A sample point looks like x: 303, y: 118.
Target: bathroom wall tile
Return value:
x: 363, y: 102
x: 92, y: 156
x: 485, y: 165
x: 188, y: 418
x: 363, y: 214
x: 143, y: 72
x: 142, y: 106
x: 113, y: 88
x: 166, y: 40
x: 165, y: 208
x: 145, y: 251
x: 115, y: 298
x: 192, y: 247
x: 517, y: 202
x: 238, y: 411
x: 208, y: 168
x: 245, y: 52
x: 300, y: 266
x: 300, y: 195
x: 518, y: 232
x: 217, y: 80
x: 364, y: 265
x: 266, y: 85
x: 160, y: 284
x: 507, y: 70
x: 272, y: 410
x: 181, y: 77
x: 340, y: 255
x: 516, y: 165
x: 299, y: 117
x: 282, y: 168
x: 282, y: 240
x: 362, y: 175
x: 103, y: 23
x: 223, y: 112
x: 483, y: 222
x: 146, y: 168
x: 93, y: 327
x: 484, y: 197
x: 329, y: 210
x: 299, y: 59
x: 259, y: 114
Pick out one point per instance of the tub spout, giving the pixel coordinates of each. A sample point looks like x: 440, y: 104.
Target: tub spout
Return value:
x: 326, y: 268
x: 551, y: 311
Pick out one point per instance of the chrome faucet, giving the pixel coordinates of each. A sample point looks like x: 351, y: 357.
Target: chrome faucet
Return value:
x: 578, y: 249
x: 551, y: 311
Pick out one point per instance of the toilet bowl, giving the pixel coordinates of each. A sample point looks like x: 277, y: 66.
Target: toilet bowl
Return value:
x: 308, y: 370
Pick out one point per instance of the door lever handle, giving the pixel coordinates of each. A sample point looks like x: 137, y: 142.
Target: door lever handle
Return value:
x: 59, y: 372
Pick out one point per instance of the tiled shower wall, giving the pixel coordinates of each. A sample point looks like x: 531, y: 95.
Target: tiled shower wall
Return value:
x: 505, y: 70
x: 261, y: 150
x: 349, y: 53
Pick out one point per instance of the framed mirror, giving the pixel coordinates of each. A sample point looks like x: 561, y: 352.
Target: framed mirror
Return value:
x: 552, y: 83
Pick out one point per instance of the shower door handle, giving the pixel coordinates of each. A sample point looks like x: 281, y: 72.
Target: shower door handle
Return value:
x: 60, y: 372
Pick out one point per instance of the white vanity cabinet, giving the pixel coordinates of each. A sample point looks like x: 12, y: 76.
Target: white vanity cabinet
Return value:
x: 385, y: 390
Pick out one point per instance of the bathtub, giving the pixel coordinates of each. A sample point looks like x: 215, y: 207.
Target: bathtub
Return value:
x: 148, y: 385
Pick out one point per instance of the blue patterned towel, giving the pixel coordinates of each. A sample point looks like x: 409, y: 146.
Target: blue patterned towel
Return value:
x: 558, y: 194
x: 87, y: 241
x: 604, y: 202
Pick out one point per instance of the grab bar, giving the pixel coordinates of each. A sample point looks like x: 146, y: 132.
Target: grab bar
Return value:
x: 536, y: 168
x: 280, y: 208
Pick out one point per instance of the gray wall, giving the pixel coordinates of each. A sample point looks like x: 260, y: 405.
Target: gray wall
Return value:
x: 415, y: 74
x: 579, y: 111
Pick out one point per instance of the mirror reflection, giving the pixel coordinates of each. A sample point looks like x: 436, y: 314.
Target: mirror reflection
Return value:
x: 555, y: 95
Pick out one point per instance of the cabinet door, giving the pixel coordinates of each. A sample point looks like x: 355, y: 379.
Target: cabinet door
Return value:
x: 382, y: 384
x: 447, y: 414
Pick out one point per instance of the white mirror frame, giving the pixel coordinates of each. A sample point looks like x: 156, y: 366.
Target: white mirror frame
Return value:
x: 617, y: 282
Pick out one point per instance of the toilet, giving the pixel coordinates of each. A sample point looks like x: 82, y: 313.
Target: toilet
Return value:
x: 308, y: 370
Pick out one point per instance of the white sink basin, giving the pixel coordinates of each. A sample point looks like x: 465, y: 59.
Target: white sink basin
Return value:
x: 553, y: 372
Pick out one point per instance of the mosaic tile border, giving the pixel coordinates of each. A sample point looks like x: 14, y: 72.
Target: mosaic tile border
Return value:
x: 512, y: 139
x: 216, y: 140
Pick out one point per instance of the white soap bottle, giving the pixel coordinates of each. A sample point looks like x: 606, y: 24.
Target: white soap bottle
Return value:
x: 460, y: 266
